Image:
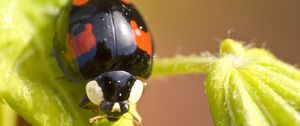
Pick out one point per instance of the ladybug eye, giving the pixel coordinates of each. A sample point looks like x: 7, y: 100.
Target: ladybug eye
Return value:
x: 94, y: 92
x: 136, y: 91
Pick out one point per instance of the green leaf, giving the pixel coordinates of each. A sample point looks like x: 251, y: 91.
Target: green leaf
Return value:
x: 251, y: 87
x: 28, y: 71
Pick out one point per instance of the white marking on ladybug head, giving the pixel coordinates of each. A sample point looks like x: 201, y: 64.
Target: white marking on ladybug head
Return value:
x: 116, y: 108
x: 136, y: 92
x: 94, y: 92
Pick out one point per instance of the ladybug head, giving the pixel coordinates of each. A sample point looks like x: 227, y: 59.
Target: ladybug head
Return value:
x: 113, y: 91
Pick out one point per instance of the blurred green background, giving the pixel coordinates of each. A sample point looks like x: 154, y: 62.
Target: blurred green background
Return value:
x: 196, y: 26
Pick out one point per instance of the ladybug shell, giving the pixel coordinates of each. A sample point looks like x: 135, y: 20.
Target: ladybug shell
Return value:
x: 97, y: 36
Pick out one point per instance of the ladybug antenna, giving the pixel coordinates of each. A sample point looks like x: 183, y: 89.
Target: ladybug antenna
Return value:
x: 95, y: 118
x: 135, y: 121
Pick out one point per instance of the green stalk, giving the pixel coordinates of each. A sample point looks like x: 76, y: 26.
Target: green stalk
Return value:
x: 182, y: 65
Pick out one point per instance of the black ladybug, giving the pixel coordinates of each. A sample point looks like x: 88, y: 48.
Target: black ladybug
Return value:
x: 107, y: 44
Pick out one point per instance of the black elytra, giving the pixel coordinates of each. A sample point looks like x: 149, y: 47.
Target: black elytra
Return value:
x: 104, y: 40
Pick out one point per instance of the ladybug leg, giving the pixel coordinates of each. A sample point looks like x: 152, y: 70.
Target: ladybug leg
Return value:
x: 84, y: 102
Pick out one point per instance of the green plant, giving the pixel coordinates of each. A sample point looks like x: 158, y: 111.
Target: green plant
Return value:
x: 245, y: 86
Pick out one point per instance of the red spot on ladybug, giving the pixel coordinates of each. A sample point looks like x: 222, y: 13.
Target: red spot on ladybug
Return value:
x: 81, y: 43
x: 79, y: 2
x: 142, y: 39
x: 125, y: 1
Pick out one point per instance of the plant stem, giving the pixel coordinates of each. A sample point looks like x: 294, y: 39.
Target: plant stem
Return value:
x: 182, y: 65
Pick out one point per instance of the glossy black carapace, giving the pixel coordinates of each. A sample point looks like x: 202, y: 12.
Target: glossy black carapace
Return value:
x: 106, y: 44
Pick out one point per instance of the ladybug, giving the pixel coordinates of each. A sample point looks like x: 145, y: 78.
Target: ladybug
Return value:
x: 107, y: 45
